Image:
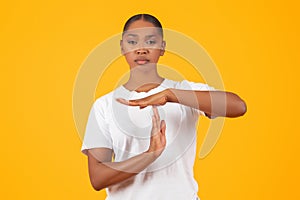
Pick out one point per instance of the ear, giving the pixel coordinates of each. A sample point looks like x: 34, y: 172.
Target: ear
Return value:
x: 121, y: 46
x: 163, y: 47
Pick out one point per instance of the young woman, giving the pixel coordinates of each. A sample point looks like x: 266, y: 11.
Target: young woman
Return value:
x: 140, y: 138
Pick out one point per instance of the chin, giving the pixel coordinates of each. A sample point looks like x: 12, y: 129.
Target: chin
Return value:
x: 145, y: 68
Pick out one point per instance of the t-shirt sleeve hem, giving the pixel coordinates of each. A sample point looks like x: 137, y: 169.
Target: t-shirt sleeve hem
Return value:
x: 85, y: 148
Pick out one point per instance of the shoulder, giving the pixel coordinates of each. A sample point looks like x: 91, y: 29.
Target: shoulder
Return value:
x: 104, y: 101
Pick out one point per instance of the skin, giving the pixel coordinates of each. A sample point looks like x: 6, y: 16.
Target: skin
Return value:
x: 212, y: 103
x: 142, y: 45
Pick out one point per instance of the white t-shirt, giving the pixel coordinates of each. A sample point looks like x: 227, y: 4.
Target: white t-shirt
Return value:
x: 126, y: 130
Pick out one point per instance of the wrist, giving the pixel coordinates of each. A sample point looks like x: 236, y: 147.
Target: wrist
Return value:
x: 151, y: 155
x: 170, y: 95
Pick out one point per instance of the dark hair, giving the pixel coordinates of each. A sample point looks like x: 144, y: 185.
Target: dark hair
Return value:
x: 145, y: 17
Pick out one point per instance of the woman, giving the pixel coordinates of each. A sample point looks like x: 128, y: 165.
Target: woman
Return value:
x: 138, y: 157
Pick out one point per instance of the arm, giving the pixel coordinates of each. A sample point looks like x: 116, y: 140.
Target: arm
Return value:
x: 213, y: 103
x: 104, y: 173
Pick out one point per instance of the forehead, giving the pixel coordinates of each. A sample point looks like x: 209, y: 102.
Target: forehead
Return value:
x: 142, y: 28
x: 142, y: 32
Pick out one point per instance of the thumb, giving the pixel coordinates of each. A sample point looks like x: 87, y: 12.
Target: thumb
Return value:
x: 163, y: 126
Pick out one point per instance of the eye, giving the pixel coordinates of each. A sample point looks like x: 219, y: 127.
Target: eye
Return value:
x: 131, y: 42
x: 151, y: 42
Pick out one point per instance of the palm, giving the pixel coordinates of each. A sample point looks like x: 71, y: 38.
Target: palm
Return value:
x: 157, y: 99
x: 158, y: 137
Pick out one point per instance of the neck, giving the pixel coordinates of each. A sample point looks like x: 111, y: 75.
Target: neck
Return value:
x: 141, y: 80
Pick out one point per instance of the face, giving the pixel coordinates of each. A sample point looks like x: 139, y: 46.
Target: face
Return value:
x: 142, y: 44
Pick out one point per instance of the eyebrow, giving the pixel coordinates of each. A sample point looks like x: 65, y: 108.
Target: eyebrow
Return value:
x: 135, y: 35
x: 132, y: 35
x: 150, y: 36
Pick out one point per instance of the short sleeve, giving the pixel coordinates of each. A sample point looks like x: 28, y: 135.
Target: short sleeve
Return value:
x: 96, y: 131
x: 188, y: 85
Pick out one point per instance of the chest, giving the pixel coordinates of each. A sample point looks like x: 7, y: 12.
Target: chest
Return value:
x: 130, y: 127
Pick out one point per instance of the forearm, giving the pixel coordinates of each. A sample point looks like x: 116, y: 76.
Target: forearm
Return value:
x: 105, y: 174
x: 213, y: 103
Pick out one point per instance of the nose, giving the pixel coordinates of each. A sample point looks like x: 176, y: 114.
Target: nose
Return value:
x: 142, y: 51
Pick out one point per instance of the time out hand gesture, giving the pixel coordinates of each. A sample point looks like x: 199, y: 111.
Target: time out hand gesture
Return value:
x: 158, y: 136
x: 157, y: 99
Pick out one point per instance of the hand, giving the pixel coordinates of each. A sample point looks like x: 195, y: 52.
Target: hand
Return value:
x: 157, y: 99
x: 158, y: 136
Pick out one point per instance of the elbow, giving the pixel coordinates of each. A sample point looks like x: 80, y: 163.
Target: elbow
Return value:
x: 241, y: 108
x: 97, y: 189
x: 97, y: 185
x: 237, y: 107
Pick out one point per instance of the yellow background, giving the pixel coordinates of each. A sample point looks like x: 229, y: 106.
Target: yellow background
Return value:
x: 255, y: 45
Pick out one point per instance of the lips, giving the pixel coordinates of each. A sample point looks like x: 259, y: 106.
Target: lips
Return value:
x: 141, y: 61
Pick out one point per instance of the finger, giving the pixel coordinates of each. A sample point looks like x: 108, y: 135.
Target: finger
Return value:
x: 163, y: 126
x: 122, y: 101
x: 154, y: 126
x: 156, y: 113
x: 163, y: 132
x: 162, y: 101
x: 128, y: 102
x: 143, y: 105
x: 154, y: 122
x: 154, y: 110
